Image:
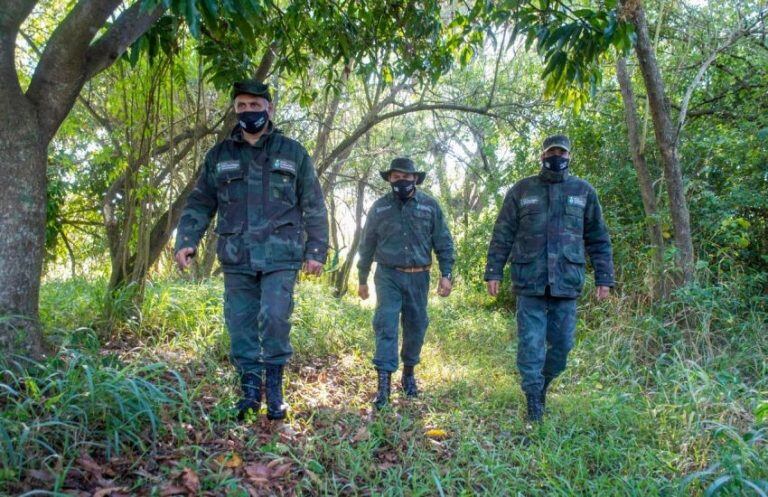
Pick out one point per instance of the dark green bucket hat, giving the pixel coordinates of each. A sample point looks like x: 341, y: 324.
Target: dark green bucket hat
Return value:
x: 553, y: 141
x: 404, y: 165
x: 251, y: 87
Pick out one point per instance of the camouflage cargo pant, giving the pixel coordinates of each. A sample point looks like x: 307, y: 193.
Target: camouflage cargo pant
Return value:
x: 545, y: 329
x: 257, y: 310
x: 401, y: 298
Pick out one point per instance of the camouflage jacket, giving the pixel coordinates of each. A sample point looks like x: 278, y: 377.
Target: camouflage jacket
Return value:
x: 271, y: 211
x: 403, y: 234
x: 546, y: 223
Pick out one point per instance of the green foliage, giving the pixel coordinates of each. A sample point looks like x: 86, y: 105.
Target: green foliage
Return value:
x: 673, y: 417
x: 79, y: 399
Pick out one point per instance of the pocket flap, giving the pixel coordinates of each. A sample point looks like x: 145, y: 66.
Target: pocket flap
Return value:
x: 229, y: 175
x: 224, y: 227
x: 574, y: 253
x: 283, y: 166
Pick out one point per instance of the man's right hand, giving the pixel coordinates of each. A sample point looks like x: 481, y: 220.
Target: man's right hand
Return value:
x: 493, y: 287
x: 362, y: 291
x: 184, y: 257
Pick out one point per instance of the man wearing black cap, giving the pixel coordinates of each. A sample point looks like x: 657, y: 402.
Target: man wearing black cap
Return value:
x: 402, y: 229
x: 546, y: 223
x: 272, y: 220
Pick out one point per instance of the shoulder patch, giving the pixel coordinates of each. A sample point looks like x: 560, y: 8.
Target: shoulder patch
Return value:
x: 227, y: 165
x: 580, y: 200
x: 284, y: 165
x: 528, y: 201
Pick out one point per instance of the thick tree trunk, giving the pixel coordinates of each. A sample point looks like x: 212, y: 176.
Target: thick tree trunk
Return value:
x: 643, y: 176
x: 666, y: 138
x: 22, y: 229
x: 22, y: 199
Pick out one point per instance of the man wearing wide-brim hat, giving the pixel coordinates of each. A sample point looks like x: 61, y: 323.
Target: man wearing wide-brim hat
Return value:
x: 546, y: 225
x: 402, y: 230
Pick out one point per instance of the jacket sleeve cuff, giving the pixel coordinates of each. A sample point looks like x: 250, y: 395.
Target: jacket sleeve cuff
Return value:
x: 315, y: 254
x: 492, y: 273
x: 363, y: 277
x: 604, y: 279
x: 184, y: 241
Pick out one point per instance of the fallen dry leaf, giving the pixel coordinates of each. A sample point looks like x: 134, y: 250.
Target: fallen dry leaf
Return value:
x: 281, y: 470
x: 190, y: 480
x: 436, y: 434
x: 87, y: 463
x: 41, y: 475
x: 229, y: 460
x: 257, y: 469
x: 104, y: 492
x: 170, y: 489
x: 362, y: 434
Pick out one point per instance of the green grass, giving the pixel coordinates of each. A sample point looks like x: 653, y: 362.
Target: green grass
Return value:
x: 656, y: 401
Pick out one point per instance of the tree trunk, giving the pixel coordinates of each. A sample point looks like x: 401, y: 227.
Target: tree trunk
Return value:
x: 22, y: 228
x: 643, y: 177
x: 666, y: 138
x: 204, y: 264
x: 341, y: 280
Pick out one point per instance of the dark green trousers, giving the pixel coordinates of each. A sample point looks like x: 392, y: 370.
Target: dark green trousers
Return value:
x: 257, y: 310
x: 401, y: 298
x: 545, y: 329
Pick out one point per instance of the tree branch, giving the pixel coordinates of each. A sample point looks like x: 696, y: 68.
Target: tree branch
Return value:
x: 734, y: 37
x: 12, y: 15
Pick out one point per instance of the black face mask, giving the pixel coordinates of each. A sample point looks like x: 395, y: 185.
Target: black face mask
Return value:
x: 555, y: 163
x: 253, y: 121
x: 403, y: 188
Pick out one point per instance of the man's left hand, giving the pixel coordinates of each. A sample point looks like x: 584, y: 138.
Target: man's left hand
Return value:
x: 312, y: 266
x: 601, y: 292
x: 444, y: 287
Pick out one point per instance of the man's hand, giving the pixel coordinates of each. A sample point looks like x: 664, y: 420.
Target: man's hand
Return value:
x: 601, y: 292
x: 184, y: 257
x: 362, y: 292
x: 493, y: 287
x: 444, y: 287
x: 312, y: 266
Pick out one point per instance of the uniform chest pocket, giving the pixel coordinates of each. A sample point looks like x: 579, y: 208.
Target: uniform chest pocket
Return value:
x: 230, y: 184
x: 532, y: 217
x: 423, y: 220
x: 574, y: 217
x: 231, y: 191
x: 282, y: 182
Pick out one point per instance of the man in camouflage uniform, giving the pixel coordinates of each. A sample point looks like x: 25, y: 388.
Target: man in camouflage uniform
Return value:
x: 271, y: 218
x: 546, y: 223
x: 402, y: 229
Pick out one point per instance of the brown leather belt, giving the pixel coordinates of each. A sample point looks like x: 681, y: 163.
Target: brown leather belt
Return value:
x: 414, y: 269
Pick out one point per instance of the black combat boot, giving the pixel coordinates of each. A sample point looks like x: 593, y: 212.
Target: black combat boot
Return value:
x: 385, y: 381
x: 250, y: 383
x: 276, y: 409
x: 547, y: 381
x: 535, y: 406
x: 409, y: 382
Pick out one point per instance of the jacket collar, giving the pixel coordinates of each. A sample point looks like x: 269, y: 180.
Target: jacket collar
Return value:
x: 548, y: 176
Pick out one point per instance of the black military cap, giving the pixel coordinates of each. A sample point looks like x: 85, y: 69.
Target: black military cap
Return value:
x: 561, y: 141
x: 404, y: 165
x: 251, y: 87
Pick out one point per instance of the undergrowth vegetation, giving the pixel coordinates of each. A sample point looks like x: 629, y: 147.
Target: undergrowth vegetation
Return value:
x: 662, y: 400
